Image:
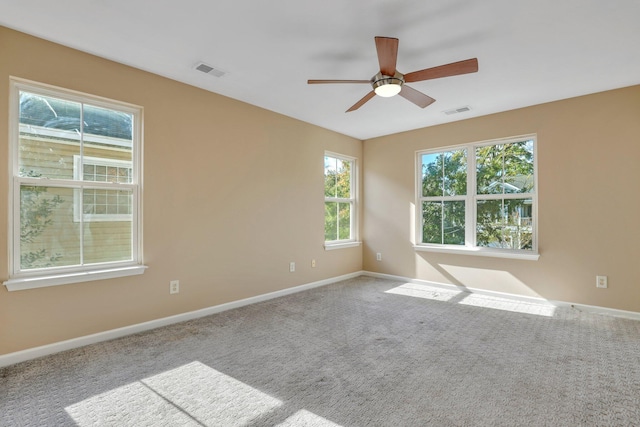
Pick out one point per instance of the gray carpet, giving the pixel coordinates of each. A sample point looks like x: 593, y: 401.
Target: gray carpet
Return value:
x: 363, y: 352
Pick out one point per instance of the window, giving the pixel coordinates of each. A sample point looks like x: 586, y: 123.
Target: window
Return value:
x: 339, y: 200
x: 480, y: 197
x: 75, y: 202
x: 101, y: 204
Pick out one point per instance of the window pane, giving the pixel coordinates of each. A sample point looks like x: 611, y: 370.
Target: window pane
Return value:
x: 51, y: 131
x: 49, y: 136
x: 330, y: 176
x: 48, y: 235
x: 124, y: 202
x: 432, y: 222
x: 518, y: 167
x: 108, y: 241
x: 505, y: 224
x: 108, y: 136
x: 505, y: 168
x: 518, y: 232
x: 443, y: 222
x: 489, y: 169
x: 489, y: 225
x: 330, y: 221
x: 444, y: 174
x: 103, y: 122
x: 89, y: 172
x: 344, y: 221
x: 453, y: 223
x: 97, y: 202
x: 343, y: 178
x: 104, y: 170
x: 432, y: 174
x: 455, y: 173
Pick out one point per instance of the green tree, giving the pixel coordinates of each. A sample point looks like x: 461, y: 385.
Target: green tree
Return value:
x: 337, y: 184
x: 36, y: 209
x: 504, y: 169
x: 444, y: 174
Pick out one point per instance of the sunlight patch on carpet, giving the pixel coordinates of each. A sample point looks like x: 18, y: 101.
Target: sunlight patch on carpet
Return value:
x: 304, y: 418
x: 190, y: 395
x: 476, y: 300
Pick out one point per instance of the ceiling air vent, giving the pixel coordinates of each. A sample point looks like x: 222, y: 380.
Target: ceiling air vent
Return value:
x: 207, y: 69
x: 457, y: 110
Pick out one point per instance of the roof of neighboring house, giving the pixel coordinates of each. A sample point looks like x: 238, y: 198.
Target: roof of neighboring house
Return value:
x: 55, y: 113
x: 514, y: 184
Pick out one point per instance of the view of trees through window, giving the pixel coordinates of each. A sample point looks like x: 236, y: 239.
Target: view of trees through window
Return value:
x: 505, y: 180
x: 444, y: 184
x: 501, y: 200
x: 338, y: 193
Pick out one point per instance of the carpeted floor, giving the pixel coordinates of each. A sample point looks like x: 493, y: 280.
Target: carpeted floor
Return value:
x: 363, y: 352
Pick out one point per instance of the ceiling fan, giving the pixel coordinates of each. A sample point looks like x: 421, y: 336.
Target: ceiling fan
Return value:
x: 389, y: 81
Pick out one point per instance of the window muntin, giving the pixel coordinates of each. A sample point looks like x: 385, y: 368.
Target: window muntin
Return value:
x: 339, y: 198
x: 497, y: 214
x: 73, y: 153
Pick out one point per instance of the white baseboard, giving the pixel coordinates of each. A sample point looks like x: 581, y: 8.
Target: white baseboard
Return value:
x: 45, y: 350
x: 582, y: 307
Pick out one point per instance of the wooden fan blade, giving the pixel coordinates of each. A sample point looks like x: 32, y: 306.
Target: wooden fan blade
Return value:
x: 362, y: 101
x: 315, y: 82
x: 453, y: 69
x: 415, y: 96
x: 387, y: 48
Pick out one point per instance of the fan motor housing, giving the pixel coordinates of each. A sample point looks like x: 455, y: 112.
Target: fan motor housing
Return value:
x: 381, y: 80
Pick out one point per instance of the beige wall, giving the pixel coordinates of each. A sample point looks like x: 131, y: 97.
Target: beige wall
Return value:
x: 588, y: 173
x: 232, y: 194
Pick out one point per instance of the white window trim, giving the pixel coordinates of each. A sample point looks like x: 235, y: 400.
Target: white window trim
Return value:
x: 353, y: 226
x: 36, y: 278
x: 41, y: 281
x: 340, y: 244
x: 469, y: 247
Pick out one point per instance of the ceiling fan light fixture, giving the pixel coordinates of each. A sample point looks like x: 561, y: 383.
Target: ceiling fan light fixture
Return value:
x: 387, y: 90
x: 387, y: 86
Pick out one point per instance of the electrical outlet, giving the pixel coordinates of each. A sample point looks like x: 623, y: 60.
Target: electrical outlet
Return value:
x: 292, y: 267
x: 601, y: 282
x: 379, y: 256
x: 313, y: 263
x: 174, y: 286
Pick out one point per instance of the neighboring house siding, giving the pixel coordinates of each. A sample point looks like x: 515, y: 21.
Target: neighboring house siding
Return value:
x: 109, y: 239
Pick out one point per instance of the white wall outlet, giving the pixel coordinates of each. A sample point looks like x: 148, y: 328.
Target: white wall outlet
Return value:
x: 313, y: 263
x: 292, y: 267
x: 379, y: 256
x: 601, y: 282
x: 174, y: 286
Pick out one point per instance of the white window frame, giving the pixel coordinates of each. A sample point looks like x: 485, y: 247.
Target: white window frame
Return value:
x: 471, y: 198
x: 352, y: 241
x: 50, y: 276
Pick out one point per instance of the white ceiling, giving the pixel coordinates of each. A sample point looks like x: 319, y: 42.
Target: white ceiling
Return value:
x: 529, y: 51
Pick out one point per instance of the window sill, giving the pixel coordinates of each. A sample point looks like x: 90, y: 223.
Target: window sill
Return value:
x: 529, y: 256
x: 332, y: 246
x: 32, y: 282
